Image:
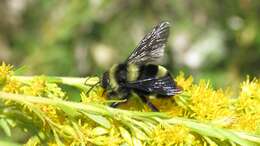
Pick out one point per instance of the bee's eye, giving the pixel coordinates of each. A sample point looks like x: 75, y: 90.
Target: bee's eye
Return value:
x: 105, y: 80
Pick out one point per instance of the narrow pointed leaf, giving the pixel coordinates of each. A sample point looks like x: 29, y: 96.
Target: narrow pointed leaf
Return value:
x: 99, y: 119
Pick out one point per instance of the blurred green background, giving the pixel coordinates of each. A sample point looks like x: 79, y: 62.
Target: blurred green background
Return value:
x: 217, y: 40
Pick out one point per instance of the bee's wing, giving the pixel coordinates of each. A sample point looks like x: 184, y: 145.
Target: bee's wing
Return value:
x: 163, y: 86
x: 152, y: 45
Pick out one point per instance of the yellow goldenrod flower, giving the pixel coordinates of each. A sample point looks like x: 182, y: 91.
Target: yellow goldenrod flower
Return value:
x: 247, y: 106
x: 249, y: 98
x: 52, y: 90
x: 184, y: 83
x: 52, y: 113
x: 208, y: 104
x: 247, y: 122
x: 250, y: 88
x: 53, y: 143
x: 171, y: 135
x: 12, y: 86
x: 86, y: 127
x: 36, y: 87
x: 96, y: 95
x: 39, y: 86
x: 5, y: 72
x: 103, y: 137
x: 134, y: 103
x: 114, y: 138
x: 169, y: 106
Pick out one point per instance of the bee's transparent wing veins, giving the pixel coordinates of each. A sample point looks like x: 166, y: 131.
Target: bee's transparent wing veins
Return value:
x: 152, y: 45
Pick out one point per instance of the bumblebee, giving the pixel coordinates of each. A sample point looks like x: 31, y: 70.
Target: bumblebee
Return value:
x: 138, y: 75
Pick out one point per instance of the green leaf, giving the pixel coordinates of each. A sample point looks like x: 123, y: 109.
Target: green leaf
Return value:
x: 36, y: 111
x: 79, y: 133
x: 69, y: 130
x: 8, y: 143
x: 211, y: 142
x: 68, y: 110
x: 21, y: 120
x: 139, y: 133
x: 233, y: 137
x: 137, y: 142
x: 249, y: 136
x: 20, y: 70
x: 126, y: 135
x: 99, y: 119
x: 57, y: 139
x: 211, y: 131
x: 5, y: 126
x: 99, y: 131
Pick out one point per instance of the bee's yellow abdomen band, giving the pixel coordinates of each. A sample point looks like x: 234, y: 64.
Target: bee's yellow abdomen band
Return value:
x: 161, y: 71
x: 132, y: 72
x: 112, y: 72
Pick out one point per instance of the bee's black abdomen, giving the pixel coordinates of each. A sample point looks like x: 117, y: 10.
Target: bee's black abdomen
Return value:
x: 148, y: 71
x: 121, y: 74
x: 151, y: 70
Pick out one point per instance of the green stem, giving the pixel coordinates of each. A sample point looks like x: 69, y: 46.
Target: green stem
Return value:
x: 91, y: 108
x: 78, y: 82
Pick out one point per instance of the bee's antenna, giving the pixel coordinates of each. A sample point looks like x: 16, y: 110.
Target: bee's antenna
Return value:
x: 92, y: 86
x: 87, y: 78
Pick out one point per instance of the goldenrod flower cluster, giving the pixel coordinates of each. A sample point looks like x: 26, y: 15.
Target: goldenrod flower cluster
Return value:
x: 5, y: 72
x: 247, y: 107
x: 200, y: 115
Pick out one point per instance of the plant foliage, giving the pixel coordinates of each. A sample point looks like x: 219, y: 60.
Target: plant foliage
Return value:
x: 200, y: 115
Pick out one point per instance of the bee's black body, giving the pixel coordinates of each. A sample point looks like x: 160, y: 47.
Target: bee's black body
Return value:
x: 138, y: 76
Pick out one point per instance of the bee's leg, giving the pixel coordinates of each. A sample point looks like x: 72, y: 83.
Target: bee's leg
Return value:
x: 148, y: 102
x: 111, y: 94
x: 114, y: 104
x: 124, y: 96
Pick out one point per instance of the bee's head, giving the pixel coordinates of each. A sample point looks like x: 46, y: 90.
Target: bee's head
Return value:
x: 105, y: 80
